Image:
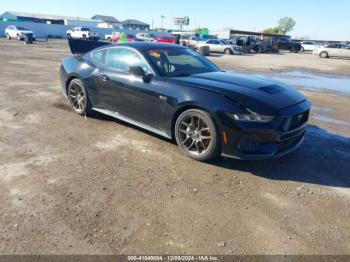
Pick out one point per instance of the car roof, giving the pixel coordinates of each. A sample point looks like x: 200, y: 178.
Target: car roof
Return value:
x: 139, y: 46
x: 144, y: 46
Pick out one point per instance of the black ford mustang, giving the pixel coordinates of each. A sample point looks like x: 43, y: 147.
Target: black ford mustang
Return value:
x: 176, y: 93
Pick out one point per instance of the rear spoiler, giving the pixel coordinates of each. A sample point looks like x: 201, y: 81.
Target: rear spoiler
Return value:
x: 81, y: 46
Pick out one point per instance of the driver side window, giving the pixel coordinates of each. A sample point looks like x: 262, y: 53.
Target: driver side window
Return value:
x: 122, y: 59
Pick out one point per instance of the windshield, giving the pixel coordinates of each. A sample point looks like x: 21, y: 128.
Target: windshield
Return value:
x: 21, y: 28
x: 174, y: 62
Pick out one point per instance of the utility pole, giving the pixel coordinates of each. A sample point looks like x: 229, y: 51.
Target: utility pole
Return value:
x: 162, y: 16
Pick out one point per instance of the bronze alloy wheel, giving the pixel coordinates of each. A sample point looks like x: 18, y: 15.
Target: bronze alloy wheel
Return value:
x: 196, y: 135
x: 78, y: 98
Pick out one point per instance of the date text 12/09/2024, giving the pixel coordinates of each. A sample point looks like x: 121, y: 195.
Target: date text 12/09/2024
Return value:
x: 173, y: 258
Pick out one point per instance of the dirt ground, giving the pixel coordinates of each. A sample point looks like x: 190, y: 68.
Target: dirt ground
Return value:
x: 70, y: 185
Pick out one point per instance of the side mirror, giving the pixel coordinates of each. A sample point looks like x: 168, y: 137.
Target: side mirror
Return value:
x: 147, y: 78
x: 138, y: 71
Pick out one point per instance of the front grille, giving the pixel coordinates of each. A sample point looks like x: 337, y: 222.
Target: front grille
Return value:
x: 248, y: 145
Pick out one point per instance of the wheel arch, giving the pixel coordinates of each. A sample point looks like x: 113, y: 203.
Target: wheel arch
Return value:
x: 228, y: 49
x: 70, y: 79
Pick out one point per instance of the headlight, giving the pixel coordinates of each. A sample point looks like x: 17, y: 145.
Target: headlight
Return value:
x: 251, y: 117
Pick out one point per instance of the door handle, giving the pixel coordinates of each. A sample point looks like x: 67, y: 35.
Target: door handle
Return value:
x: 103, y: 78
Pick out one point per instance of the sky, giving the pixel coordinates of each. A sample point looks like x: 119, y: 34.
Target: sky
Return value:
x: 316, y: 19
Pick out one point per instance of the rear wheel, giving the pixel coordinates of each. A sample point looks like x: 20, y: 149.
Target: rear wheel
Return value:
x: 196, y: 135
x: 78, y: 97
x: 228, y: 51
x: 8, y: 37
x: 302, y: 49
x: 19, y: 37
x: 69, y: 36
x: 84, y: 37
x: 324, y: 54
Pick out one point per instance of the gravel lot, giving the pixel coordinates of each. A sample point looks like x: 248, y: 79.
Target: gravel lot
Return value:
x: 99, y: 186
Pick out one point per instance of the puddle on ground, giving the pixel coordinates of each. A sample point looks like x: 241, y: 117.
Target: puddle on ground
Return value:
x: 324, y: 114
x: 330, y: 120
x: 314, y: 82
x: 308, y: 80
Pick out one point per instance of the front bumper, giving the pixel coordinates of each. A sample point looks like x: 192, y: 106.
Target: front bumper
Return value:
x: 254, y: 141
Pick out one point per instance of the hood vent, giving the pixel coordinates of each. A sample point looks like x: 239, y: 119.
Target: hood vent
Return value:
x: 272, y: 89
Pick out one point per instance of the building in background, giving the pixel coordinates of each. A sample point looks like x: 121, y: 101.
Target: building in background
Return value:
x: 132, y: 24
x: 49, y: 19
x: 100, y: 21
x: 260, y: 35
x: 108, y: 21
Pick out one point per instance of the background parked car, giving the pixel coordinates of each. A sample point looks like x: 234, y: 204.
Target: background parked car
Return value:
x: 165, y: 39
x: 333, y: 50
x: 287, y: 44
x: 220, y: 46
x: 82, y: 33
x: 309, y: 46
x: 115, y: 36
x: 195, y: 40
x: 145, y: 37
x: 251, y: 44
x: 17, y: 32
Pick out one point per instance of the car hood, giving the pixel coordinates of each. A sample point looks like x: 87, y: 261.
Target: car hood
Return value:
x: 260, y: 94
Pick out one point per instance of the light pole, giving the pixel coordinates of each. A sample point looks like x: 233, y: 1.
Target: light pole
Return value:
x: 162, y: 16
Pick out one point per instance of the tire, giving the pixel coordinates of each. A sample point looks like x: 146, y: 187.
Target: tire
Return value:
x: 84, y: 37
x: 302, y: 49
x: 228, y: 51
x: 69, y: 36
x: 258, y: 49
x: 324, y: 54
x: 109, y: 39
x: 196, y: 134
x: 19, y: 37
x: 8, y: 37
x: 78, y: 98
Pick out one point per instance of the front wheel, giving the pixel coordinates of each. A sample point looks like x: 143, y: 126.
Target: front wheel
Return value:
x: 78, y: 97
x: 8, y: 37
x: 324, y: 55
x: 302, y: 50
x: 196, y: 135
x: 19, y: 37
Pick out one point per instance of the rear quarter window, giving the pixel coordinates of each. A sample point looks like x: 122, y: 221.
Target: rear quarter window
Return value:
x: 100, y: 56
